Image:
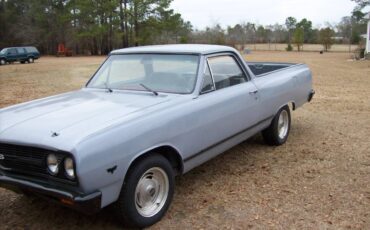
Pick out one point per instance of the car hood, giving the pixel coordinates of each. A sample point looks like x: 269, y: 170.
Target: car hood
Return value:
x: 70, y: 117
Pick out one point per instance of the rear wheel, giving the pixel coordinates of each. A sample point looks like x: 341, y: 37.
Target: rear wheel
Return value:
x: 278, y: 131
x: 147, y: 192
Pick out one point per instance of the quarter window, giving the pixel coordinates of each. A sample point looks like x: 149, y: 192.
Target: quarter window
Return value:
x: 226, y: 71
x: 207, y: 81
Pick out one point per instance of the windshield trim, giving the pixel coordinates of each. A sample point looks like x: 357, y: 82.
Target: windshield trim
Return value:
x: 156, y: 53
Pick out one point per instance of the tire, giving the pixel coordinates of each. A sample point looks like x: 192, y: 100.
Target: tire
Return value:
x: 22, y: 62
x: 141, y: 184
x: 30, y: 60
x: 278, y: 131
x: 2, y: 62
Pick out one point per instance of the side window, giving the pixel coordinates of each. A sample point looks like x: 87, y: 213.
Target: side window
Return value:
x: 20, y: 50
x: 226, y: 71
x: 12, y: 51
x: 207, y: 81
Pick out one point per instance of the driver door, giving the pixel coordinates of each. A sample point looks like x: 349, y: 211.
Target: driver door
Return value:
x: 228, y: 104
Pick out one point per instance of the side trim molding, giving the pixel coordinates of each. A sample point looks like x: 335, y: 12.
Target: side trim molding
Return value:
x: 228, y: 138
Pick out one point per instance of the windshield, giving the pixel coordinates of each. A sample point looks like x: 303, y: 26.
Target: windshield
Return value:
x: 169, y: 73
x: 3, y: 51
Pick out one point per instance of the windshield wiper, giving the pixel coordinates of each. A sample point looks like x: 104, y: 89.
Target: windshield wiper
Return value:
x: 109, y: 90
x: 149, y: 89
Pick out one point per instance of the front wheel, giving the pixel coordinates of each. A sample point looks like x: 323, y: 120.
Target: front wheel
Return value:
x: 278, y: 131
x: 2, y: 62
x: 30, y: 60
x: 147, y: 192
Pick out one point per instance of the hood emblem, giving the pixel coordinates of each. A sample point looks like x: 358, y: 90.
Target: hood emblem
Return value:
x: 2, y: 157
x: 54, y: 134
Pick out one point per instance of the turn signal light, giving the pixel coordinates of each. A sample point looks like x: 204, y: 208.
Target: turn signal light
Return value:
x: 67, y: 201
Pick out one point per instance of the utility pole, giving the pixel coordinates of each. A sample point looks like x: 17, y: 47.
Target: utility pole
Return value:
x: 350, y: 36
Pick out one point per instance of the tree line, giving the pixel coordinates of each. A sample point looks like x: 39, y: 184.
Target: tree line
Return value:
x: 292, y: 32
x: 99, y: 26
x: 89, y: 26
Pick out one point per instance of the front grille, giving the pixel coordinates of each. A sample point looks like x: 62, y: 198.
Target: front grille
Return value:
x: 28, y: 161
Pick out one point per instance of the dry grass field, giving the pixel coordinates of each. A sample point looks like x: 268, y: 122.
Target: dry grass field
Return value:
x: 320, y: 179
x: 306, y: 47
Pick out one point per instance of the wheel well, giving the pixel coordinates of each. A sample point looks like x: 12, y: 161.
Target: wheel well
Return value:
x: 290, y: 105
x: 170, y: 153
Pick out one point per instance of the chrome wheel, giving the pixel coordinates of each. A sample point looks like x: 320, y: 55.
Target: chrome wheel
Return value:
x: 30, y: 60
x: 283, y: 124
x: 2, y: 62
x: 151, y: 192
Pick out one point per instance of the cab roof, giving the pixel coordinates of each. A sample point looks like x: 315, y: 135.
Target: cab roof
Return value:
x: 176, y: 49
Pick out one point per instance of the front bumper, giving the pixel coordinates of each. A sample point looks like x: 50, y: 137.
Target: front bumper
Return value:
x: 87, y: 203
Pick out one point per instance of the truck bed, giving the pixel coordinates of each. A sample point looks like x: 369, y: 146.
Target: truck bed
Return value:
x: 261, y: 68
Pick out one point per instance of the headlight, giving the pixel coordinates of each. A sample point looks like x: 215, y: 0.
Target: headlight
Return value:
x: 69, y: 168
x: 53, y: 164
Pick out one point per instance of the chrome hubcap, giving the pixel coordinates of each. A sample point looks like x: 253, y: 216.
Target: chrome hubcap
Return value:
x: 2, y: 62
x: 151, y: 192
x: 283, y: 124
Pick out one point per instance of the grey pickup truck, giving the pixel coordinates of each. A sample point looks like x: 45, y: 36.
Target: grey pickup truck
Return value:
x: 147, y: 115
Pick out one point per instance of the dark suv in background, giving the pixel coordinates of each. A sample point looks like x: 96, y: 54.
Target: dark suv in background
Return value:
x: 21, y: 54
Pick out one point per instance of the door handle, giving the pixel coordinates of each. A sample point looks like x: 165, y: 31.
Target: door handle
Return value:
x: 253, y: 92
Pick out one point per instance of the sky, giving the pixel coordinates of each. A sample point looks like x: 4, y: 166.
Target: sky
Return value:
x: 202, y: 13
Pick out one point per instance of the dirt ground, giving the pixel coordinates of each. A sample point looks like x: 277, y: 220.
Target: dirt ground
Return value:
x: 320, y: 179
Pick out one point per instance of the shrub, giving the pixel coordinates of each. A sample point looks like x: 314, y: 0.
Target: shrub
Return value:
x: 289, y: 48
